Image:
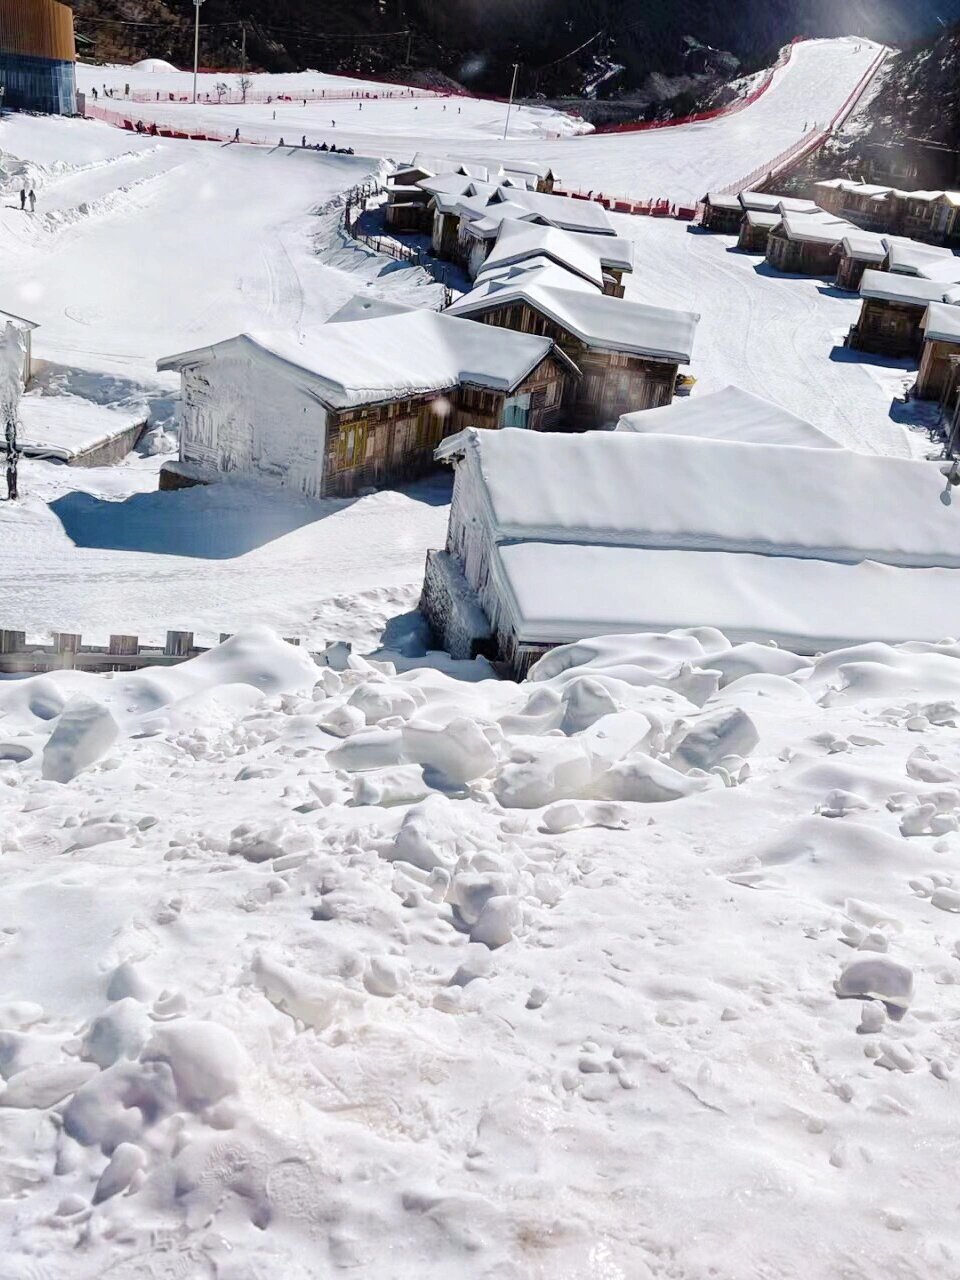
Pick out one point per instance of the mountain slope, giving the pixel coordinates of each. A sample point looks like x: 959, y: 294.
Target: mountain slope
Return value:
x: 558, y: 43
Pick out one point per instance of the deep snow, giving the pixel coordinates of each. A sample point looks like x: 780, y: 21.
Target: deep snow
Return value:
x: 615, y: 974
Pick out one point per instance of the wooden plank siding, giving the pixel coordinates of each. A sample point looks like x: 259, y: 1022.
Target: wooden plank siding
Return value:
x: 613, y: 382
x: 800, y: 257
x: 888, y: 328
x: 390, y: 443
x: 37, y: 28
x: 933, y: 379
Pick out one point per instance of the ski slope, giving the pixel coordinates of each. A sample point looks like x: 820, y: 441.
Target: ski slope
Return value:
x: 679, y: 164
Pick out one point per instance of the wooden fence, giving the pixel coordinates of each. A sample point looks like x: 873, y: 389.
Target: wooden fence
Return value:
x: 67, y: 652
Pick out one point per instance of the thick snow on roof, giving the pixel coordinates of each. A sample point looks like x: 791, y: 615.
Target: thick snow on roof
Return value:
x: 517, y: 241
x: 945, y: 270
x: 569, y: 591
x: 941, y: 323
x: 762, y: 218
x: 538, y: 271
x: 769, y: 202
x: 907, y: 257
x: 19, y: 322
x: 363, y: 306
x: 659, y: 491
x: 612, y: 324
x: 390, y: 356
x: 867, y: 246
x: 889, y: 286
x: 562, y: 211
x: 723, y: 200
x: 815, y: 228
x: 730, y: 414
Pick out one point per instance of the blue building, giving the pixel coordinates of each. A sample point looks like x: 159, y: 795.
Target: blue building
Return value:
x: 37, y: 56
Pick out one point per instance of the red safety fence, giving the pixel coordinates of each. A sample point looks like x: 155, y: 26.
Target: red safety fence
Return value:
x: 699, y: 117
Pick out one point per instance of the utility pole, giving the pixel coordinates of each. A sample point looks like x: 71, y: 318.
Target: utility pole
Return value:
x: 409, y: 46
x: 196, y: 45
x: 243, y: 50
x: 513, y: 89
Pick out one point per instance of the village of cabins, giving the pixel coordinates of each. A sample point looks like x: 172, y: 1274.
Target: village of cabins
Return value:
x: 552, y: 397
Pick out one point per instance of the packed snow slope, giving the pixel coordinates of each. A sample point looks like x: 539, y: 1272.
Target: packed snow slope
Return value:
x: 643, y: 968
x: 680, y: 164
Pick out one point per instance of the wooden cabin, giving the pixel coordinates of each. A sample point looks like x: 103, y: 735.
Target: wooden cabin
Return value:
x: 551, y: 541
x: 859, y: 251
x: 806, y: 244
x: 892, y: 314
x: 16, y: 337
x: 360, y: 403
x: 722, y: 213
x: 628, y: 353
x: 755, y: 230
x: 941, y: 345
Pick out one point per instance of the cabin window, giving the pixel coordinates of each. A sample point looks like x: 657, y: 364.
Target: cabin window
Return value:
x: 516, y: 411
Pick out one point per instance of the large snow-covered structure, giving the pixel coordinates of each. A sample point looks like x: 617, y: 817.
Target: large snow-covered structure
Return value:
x: 557, y: 539
x: 358, y: 403
x: 894, y: 304
x: 730, y: 414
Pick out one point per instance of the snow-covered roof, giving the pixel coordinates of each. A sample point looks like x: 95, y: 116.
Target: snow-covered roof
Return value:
x: 730, y: 414
x: 768, y: 202
x: 365, y: 306
x: 388, y: 357
x: 561, y: 593
x: 724, y: 200
x: 888, y: 286
x: 519, y: 240
x: 945, y: 270
x: 611, y: 324
x: 815, y: 228
x: 539, y: 271
x: 941, y: 323
x: 659, y: 491
x: 615, y: 252
x: 866, y: 246
x: 762, y: 218
x: 907, y: 257
x: 560, y: 211
x: 7, y: 317
x: 454, y: 184
x: 851, y: 187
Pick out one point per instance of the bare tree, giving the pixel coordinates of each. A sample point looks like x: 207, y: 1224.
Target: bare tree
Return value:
x: 244, y: 83
x: 221, y: 89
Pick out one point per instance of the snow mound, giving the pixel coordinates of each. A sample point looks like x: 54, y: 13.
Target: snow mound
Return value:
x: 154, y: 64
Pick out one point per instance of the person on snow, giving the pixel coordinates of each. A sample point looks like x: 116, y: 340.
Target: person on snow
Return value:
x: 281, y: 142
x: 23, y: 198
x: 236, y: 135
x: 303, y: 141
x: 32, y: 197
x: 324, y: 147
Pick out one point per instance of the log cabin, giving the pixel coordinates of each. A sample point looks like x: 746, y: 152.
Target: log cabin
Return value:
x: 892, y: 314
x: 941, y: 342
x: 755, y: 230
x: 722, y: 213
x: 554, y: 540
x: 859, y: 251
x: 628, y: 353
x: 359, y: 403
x: 806, y: 244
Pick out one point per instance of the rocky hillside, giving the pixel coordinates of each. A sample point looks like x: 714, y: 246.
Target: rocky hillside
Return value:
x: 563, y: 46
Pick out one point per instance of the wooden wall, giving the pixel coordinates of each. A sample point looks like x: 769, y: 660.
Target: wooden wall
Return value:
x: 40, y: 28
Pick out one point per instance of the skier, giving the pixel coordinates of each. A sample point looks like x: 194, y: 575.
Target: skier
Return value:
x: 23, y: 198
x: 359, y: 106
x: 281, y: 142
x: 94, y: 92
x: 333, y: 123
x: 236, y: 135
x: 32, y: 197
x: 303, y: 141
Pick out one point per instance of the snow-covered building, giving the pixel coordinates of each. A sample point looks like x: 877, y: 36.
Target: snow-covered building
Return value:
x: 755, y: 229
x: 725, y: 212
x: 628, y: 353
x: 731, y: 414
x: 893, y: 309
x: 859, y: 251
x: 16, y: 347
x: 551, y: 540
x: 806, y: 244
x: 361, y: 402
x: 721, y: 212
x: 941, y: 344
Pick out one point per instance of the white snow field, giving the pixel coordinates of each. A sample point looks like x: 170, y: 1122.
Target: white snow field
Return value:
x: 646, y: 968
x: 680, y: 164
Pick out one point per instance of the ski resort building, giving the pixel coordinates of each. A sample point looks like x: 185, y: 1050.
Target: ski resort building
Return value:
x: 891, y: 317
x: 628, y: 353
x: 755, y: 229
x: 722, y: 213
x: 360, y: 403
x: 941, y: 346
x: 859, y: 251
x: 551, y: 540
x: 806, y: 244
x: 37, y: 57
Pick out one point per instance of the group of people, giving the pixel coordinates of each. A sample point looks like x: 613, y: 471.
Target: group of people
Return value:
x: 28, y: 196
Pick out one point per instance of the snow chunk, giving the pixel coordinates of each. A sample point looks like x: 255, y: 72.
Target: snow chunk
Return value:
x: 206, y: 1060
x: 85, y: 732
x: 877, y: 978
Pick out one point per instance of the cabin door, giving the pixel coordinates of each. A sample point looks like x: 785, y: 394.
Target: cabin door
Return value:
x: 516, y: 411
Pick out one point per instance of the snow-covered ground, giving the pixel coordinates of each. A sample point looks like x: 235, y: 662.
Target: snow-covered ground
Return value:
x: 614, y: 975
x: 678, y: 164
